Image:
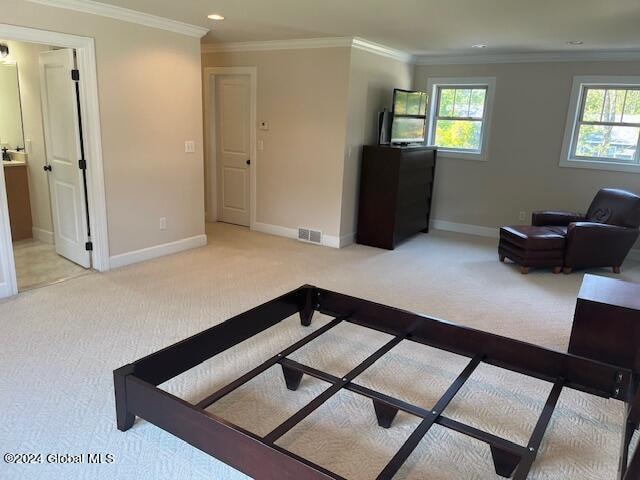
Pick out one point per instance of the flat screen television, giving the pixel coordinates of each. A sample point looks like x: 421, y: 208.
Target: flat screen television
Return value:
x: 409, y: 117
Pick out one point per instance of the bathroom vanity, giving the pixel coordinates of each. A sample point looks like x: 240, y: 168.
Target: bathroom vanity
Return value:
x: 17, y: 181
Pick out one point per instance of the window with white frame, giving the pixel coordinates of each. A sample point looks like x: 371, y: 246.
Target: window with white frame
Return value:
x: 603, y: 125
x: 459, y: 115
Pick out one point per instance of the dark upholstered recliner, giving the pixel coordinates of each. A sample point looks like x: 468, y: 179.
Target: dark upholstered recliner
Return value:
x: 600, y: 238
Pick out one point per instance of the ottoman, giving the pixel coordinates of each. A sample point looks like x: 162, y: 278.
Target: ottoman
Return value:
x: 532, y: 246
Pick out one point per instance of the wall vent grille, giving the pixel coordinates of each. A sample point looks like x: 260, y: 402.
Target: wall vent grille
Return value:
x: 315, y: 236
x: 303, y: 234
x: 308, y: 235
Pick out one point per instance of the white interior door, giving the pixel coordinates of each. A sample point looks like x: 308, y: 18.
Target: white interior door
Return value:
x: 62, y: 138
x: 233, y: 147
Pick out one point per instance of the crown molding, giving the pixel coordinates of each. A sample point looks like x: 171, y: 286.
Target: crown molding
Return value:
x: 537, y: 57
x: 379, y: 49
x: 309, y: 43
x: 126, y: 15
x: 293, y: 44
x: 385, y: 51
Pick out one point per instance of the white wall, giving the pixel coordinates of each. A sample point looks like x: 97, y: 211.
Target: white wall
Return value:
x: 372, y: 79
x: 150, y: 102
x: 302, y: 94
x: 522, y: 172
x: 321, y: 105
x: 26, y: 56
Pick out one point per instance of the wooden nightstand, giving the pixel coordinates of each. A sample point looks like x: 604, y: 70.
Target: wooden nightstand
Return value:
x: 606, y: 324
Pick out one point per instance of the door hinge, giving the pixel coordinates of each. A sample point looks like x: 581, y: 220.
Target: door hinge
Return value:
x: 82, y: 164
x: 75, y: 75
x: 88, y: 246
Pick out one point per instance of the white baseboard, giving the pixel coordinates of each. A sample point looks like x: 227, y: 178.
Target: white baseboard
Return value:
x: 327, y: 240
x: 491, y: 232
x: 156, y: 251
x: 275, y: 230
x: 465, y: 228
x: 346, y: 240
x: 42, y: 235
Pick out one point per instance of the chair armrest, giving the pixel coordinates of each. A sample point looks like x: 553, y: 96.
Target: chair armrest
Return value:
x: 591, y: 244
x: 562, y: 219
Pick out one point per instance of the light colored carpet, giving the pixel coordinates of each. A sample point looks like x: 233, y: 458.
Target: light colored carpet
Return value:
x: 61, y: 343
x: 38, y: 264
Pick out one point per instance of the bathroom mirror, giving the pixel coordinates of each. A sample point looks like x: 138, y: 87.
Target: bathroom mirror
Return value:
x: 11, y: 131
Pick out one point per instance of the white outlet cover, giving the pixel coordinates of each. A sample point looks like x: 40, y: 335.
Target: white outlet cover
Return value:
x: 163, y: 223
x: 189, y: 146
x: 260, y: 145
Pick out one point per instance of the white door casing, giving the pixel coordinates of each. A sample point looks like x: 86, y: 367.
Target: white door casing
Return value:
x: 62, y: 139
x: 8, y: 282
x: 233, y: 148
x: 89, y: 102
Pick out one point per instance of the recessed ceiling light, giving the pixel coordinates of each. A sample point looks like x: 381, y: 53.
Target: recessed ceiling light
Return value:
x: 575, y: 43
x: 478, y: 45
x: 215, y: 16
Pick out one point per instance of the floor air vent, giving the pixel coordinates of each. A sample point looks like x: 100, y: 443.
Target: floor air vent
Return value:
x: 308, y: 235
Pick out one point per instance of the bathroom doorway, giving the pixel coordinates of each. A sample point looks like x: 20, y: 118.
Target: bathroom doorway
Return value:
x: 48, y: 152
x: 41, y: 146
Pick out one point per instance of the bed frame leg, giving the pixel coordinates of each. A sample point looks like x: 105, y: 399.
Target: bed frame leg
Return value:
x: 629, y: 428
x: 504, y: 462
x: 384, y: 413
x: 308, y: 306
x: 291, y: 377
x: 124, y: 419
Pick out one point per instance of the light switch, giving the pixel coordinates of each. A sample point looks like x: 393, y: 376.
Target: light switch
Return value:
x: 190, y: 146
x: 260, y: 145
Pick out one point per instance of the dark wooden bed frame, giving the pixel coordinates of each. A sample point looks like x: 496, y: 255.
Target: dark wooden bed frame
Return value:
x: 137, y: 394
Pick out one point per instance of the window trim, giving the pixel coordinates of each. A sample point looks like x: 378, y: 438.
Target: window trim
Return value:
x: 433, y: 84
x: 571, y: 130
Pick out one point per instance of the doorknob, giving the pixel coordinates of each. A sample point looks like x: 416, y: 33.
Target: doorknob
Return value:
x: 47, y: 168
x: 248, y: 162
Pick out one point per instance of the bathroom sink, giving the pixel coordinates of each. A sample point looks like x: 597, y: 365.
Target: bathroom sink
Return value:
x: 17, y: 158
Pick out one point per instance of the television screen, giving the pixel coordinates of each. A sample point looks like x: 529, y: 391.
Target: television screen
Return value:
x: 409, y: 116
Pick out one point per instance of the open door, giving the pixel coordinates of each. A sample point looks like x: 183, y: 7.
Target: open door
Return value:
x: 64, y: 153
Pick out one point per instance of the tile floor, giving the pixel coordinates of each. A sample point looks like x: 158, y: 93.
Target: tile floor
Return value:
x: 38, y: 264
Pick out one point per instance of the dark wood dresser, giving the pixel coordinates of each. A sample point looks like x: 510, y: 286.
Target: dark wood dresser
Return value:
x: 396, y: 185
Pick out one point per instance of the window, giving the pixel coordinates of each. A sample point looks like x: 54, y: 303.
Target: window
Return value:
x: 459, y: 116
x: 603, y: 124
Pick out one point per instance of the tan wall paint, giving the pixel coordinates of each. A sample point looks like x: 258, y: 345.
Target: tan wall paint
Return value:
x: 303, y: 96
x: 150, y: 103
x: 522, y: 171
x: 371, y: 83
x: 26, y: 55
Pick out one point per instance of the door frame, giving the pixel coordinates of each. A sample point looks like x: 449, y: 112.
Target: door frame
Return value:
x: 211, y: 177
x: 91, y: 131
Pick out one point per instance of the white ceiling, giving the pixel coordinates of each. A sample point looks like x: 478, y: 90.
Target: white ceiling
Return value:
x: 436, y: 27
